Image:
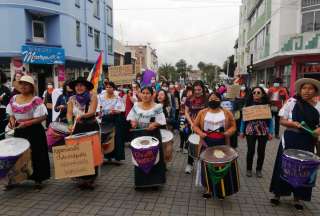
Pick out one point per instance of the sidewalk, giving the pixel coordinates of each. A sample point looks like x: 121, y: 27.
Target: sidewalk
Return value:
x: 115, y: 195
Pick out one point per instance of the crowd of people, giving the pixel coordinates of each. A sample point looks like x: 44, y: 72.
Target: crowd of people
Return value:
x: 142, y: 110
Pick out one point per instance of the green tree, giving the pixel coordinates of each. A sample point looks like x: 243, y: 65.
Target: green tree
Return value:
x: 168, y: 72
x: 182, y: 68
x: 209, y: 72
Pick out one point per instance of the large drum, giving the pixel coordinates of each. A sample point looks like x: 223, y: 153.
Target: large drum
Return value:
x: 107, y: 138
x: 299, y: 168
x: 167, y: 144
x: 56, y: 133
x: 221, y: 170
x: 194, y: 145
x: 15, y: 160
x: 92, y: 138
x: 145, y: 152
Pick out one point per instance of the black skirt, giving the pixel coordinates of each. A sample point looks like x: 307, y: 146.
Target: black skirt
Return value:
x: 36, y: 136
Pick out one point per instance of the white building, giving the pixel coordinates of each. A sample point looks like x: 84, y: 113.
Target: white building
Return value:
x: 282, y: 36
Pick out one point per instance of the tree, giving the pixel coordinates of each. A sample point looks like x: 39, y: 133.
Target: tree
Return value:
x: 231, y: 64
x: 182, y: 68
x: 209, y: 72
x: 168, y: 72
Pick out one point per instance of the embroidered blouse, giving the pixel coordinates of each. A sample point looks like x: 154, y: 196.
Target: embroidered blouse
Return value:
x: 107, y: 105
x: 33, y: 109
x: 143, y: 117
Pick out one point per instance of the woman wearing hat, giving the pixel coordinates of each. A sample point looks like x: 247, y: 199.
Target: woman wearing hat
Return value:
x: 27, y: 112
x: 301, y: 108
x: 82, y: 110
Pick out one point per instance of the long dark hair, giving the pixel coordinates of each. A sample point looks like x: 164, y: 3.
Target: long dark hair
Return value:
x: 264, y: 98
x: 166, y: 100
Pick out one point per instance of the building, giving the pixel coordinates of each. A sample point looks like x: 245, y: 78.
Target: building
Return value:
x: 146, y: 56
x: 282, y: 36
x: 55, y: 39
x: 123, y: 55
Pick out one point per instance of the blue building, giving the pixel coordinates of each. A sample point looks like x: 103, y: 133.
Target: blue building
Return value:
x: 54, y: 39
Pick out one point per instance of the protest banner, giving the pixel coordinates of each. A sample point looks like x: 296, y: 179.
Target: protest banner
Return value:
x: 256, y: 112
x: 233, y: 91
x: 121, y: 75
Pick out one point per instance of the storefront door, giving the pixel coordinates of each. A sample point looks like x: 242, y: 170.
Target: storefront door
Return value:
x: 44, y: 75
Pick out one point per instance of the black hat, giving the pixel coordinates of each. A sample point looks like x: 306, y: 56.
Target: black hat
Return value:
x: 83, y: 81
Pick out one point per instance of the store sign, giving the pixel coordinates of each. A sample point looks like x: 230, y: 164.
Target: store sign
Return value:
x: 42, y: 55
x: 310, y: 68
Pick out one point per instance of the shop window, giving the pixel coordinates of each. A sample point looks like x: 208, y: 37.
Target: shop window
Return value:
x: 308, y: 22
x: 38, y: 31
x: 78, y: 33
x: 96, y: 40
x: 110, y: 45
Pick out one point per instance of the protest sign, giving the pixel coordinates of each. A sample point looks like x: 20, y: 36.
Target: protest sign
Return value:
x: 256, y: 112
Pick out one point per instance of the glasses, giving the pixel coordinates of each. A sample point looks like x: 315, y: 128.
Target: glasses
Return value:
x: 257, y: 92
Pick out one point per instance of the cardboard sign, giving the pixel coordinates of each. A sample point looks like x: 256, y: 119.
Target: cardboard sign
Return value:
x: 233, y: 91
x: 256, y: 112
x: 73, y: 160
x: 121, y: 75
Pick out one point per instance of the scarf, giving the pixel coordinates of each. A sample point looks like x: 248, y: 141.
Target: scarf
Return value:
x: 84, y: 98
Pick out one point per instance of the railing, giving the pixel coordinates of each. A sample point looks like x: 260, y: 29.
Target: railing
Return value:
x: 299, y: 42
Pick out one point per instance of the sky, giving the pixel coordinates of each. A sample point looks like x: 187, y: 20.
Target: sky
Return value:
x: 194, y: 30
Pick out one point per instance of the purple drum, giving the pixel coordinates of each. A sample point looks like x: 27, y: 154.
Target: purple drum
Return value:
x: 299, y: 168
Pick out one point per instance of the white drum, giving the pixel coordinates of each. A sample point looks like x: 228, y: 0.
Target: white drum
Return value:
x: 167, y: 144
x: 194, y: 141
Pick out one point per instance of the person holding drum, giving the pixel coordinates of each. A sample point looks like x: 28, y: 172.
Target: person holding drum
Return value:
x: 82, y: 110
x: 197, y: 102
x: 112, y: 109
x: 163, y: 98
x: 300, y: 116
x: 215, y: 126
x: 256, y: 130
x: 27, y: 112
x: 146, y: 118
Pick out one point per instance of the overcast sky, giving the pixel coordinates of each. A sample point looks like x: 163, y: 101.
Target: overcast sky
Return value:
x: 195, y: 30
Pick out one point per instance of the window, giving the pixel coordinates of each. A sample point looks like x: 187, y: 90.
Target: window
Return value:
x: 317, y: 21
x: 77, y: 3
x: 96, y: 40
x: 109, y: 16
x: 308, y: 22
x: 96, y: 8
x: 38, y: 31
x: 78, y: 34
x: 308, y: 3
x: 90, y: 31
x: 110, y: 45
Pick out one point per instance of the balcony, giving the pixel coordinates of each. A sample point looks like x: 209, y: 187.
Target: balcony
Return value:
x: 308, y: 41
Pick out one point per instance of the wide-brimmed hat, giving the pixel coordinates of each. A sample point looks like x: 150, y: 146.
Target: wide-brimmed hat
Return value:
x: 27, y: 79
x: 300, y: 82
x: 83, y: 81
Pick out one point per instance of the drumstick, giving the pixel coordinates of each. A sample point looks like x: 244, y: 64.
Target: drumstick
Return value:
x: 137, y: 129
x: 7, y: 131
x: 305, y: 127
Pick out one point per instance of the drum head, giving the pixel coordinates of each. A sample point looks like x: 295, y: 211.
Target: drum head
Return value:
x: 194, y: 139
x: 82, y: 134
x: 60, y: 127
x: 219, y: 154
x: 166, y: 135
x: 300, y: 155
x: 144, y: 142
x: 13, y: 147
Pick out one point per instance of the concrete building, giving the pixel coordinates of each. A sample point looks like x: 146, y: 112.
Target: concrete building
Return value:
x: 283, y: 38
x: 123, y: 55
x: 146, y: 56
x: 52, y: 39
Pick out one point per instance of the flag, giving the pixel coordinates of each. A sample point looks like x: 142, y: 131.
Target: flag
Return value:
x: 96, y: 73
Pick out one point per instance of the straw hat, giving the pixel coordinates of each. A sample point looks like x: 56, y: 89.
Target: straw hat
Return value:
x: 28, y: 79
x: 300, y: 82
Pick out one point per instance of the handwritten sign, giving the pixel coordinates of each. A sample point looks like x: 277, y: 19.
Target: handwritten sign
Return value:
x: 256, y: 112
x: 73, y: 160
x: 233, y: 91
x: 121, y: 75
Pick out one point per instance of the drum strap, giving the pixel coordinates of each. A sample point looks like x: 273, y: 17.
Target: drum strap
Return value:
x: 217, y: 174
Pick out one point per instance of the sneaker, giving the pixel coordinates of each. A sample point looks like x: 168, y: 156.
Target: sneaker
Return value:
x: 188, y: 169
x: 185, y: 151
x: 275, y: 201
x: 259, y: 174
x: 249, y: 173
x: 277, y: 137
x: 298, y: 207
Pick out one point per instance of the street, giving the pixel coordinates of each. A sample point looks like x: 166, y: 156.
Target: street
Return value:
x: 115, y: 194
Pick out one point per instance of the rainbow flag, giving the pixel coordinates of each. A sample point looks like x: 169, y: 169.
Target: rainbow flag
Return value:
x: 96, y: 73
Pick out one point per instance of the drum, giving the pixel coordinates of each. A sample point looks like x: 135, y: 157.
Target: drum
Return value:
x: 299, y: 168
x: 92, y: 138
x: 56, y: 133
x: 11, y: 150
x: 107, y: 138
x: 221, y: 171
x: 145, y: 152
x: 167, y: 144
x: 194, y: 143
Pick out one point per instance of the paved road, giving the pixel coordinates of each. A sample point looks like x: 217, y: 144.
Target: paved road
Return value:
x: 115, y: 195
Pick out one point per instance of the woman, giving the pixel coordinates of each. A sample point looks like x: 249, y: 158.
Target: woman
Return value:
x: 15, y: 83
x: 4, y: 100
x: 163, y: 99
x: 112, y: 110
x: 62, y: 102
x: 27, y: 112
x: 256, y: 130
x: 149, y: 116
x: 47, y: 97
x: 296, y: 110
x: 82, y: 110
x: 132, y: 97
x: 197, y: 102
x: 215, y: 126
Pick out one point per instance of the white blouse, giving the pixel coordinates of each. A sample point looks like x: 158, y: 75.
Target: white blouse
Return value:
x: 33, y: 109
x: 214, y: 121
x: 143, y: 117
x: 106, y: 105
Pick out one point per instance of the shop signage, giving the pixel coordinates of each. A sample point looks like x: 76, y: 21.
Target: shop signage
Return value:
x: 310, y: 68
x: 42, y: 55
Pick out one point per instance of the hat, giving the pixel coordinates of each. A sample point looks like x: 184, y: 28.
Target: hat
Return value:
x: 83, y: 81
x: 300, y: 82
x: 27, y: 78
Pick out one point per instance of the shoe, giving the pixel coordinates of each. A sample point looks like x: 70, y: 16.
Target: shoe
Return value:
x: 185, y: 151
x: 275, y: 201
x: 277, y: 136
x: 259, y: 174
x: 8, y: 187
x: 249, y: 173
x: 38, y: 186
x: 188, y: 169
x: 298, y: 206
x: 206, y: 196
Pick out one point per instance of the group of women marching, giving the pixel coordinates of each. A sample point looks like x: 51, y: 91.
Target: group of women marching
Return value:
x: 143, y: 112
